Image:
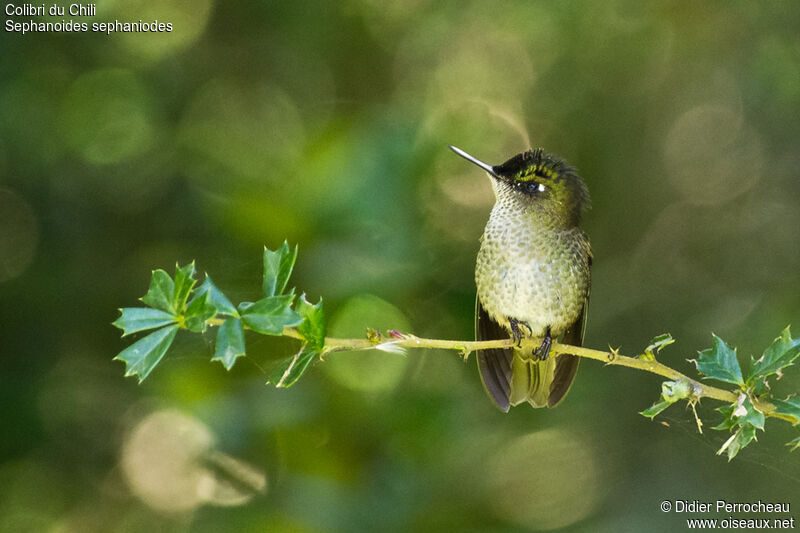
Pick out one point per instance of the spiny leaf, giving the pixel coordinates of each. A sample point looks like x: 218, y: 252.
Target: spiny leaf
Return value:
x: 313, y: 327
x: 159, y: 295
x: 743, y: 417
x: 278, y: 267
x: 199, y: 310
x: 142, y: 356
x: 729, y: 421
x: 184, y: 281
x: 655, y: 409
x: 289, y: 371
x: 135, y: 319
x: 758, y: 385
x: 780, y: 354
x: 230, y: 342
x: 671, y: 392
x: 720, y: 363
x: 751, y: 415
x: 789, y: 407
x: 216, y: 297
x: 739, y: 440
x: 270, y: 315
x: 658, y: 343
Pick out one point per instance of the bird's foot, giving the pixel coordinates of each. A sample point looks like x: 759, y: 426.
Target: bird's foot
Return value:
x: 544, y: 349
x: 516, y: 333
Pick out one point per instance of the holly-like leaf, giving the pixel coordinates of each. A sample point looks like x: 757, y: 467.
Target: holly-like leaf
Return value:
x: 758, y: 385
x: 671, y: 392
x: 313, y: 327
x: 230, y: 342
x: 198, y: 312
x: 789, y: 407
x: 739, y: 440
x: 184, y: 281
x: 270, y: 315
x: 729, y: 421
x: 216, y: 297
x: 655, y: 409
x: 719, y: 362
x: 289, y: 371
x: 278, y: 267
x: 751, y: 416
x: 143, y: 355
x: 780, y: 354
x: 657, y: 344
x: 135, y: 319
x: 159, y: 295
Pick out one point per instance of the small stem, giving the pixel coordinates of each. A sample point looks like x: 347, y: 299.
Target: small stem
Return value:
x: 333, y: 344
x: 699, y: 390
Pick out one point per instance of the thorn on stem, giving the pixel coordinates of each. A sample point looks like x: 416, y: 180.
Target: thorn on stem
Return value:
x: 613, y: 353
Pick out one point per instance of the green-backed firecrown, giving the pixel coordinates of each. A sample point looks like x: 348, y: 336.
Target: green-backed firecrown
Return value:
x: 533, y: 277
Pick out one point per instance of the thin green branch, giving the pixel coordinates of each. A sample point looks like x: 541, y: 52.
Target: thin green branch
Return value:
x: 611, y: 357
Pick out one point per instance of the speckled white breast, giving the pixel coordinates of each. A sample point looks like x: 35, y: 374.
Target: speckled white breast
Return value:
x: 530, y: 269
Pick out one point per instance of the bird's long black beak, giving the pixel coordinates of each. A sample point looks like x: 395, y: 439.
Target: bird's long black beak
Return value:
x: 465, y: 155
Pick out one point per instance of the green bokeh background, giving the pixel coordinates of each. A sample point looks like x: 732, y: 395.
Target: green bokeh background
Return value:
x: 326, y: 124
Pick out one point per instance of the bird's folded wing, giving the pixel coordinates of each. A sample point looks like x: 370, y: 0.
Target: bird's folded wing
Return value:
x: 494, y: 364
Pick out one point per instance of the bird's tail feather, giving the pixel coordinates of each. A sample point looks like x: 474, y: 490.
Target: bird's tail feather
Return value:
x: 531, y: 379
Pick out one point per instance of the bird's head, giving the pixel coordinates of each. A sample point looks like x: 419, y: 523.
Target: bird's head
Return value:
x: 538, y: 181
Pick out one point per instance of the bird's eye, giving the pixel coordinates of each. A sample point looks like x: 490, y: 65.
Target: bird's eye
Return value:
x: 534, y: 187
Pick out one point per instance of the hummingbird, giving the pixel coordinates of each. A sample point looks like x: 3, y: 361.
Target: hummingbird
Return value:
x: 533, y: 275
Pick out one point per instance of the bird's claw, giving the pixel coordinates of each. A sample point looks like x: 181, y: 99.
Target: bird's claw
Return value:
x: 544, y: 349
x: 516, y: 333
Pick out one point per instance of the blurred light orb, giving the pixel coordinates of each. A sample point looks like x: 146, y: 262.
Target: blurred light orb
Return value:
x: 474, y: 67
x: 106, y: 116
x: 479, y: 125
x: 487, y: 53
x: 189, y: 19
x: 19, y: 234
x: 169, y: 463
x: 545, y: 480
x: 712, y: 155
x: 456, y: 194
x: 370, y: 370
x: 237, y: 129
x: 463, y: 192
